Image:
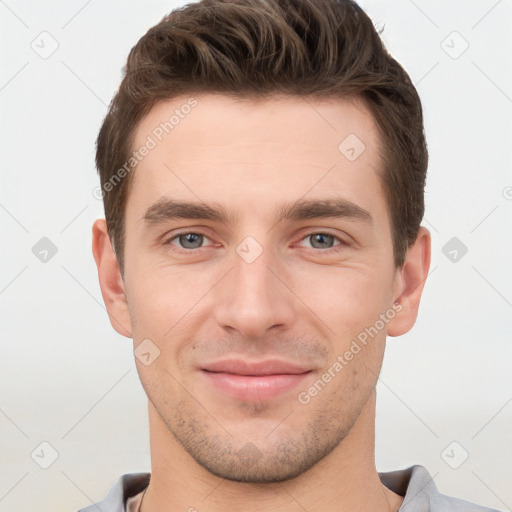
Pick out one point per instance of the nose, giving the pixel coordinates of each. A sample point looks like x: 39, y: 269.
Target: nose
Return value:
x: 253, y: 298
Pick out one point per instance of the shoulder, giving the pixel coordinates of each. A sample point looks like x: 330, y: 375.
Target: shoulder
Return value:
x: 421, y: 494
x: 125, y: 486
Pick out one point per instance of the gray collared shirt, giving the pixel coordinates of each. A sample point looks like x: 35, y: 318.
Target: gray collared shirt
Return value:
x: 414, y: 483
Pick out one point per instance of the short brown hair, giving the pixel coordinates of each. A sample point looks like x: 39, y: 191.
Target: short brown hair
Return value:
x: 255, y: 48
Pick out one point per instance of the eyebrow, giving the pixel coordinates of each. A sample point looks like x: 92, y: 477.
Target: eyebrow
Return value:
x: 167, y: 209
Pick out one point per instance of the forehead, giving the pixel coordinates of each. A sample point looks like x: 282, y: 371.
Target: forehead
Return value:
x: 207, y: 147
x: 216, y: 118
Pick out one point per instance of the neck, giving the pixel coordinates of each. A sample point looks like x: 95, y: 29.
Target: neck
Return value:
x: 345, y: 480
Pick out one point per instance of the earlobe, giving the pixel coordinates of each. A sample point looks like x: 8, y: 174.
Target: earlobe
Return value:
x: 111, y: 283
x: 411, y: 280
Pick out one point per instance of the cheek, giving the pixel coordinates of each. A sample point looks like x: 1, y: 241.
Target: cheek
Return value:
x: 162, y: 291
x: 165, y: 305
x: 345, y: 300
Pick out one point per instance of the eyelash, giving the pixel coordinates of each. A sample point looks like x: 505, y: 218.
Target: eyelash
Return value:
x: 335, y: 248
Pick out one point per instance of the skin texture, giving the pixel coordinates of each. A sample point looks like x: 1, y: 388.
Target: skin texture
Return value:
x: 304, y: 300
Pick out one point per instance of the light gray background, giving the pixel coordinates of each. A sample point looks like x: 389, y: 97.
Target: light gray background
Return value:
x: 69, y: 379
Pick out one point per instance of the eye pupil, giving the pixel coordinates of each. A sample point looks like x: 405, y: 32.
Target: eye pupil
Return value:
x: 190, y: 238
x: 321, y: 238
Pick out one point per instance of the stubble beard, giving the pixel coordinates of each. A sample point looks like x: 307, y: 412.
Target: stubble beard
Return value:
x: 282, y: 455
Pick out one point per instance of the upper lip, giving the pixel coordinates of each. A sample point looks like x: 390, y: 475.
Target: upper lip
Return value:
x: 264, y: 367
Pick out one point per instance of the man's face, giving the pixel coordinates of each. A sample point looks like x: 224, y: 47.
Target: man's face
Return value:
x: 250, y: 310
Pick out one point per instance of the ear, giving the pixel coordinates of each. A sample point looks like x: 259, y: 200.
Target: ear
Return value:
x: 409, y: 283
x: 111, y: 283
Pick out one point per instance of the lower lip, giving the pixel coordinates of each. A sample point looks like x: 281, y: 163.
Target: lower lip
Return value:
x: 254, y: 388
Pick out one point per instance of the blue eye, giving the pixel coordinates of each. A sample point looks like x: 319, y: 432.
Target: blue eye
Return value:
x: 323, y: 241
x: 189, y: 240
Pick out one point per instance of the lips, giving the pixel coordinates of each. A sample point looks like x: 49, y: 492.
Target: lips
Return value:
x: 254, y: 380
x: 256, y: 368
